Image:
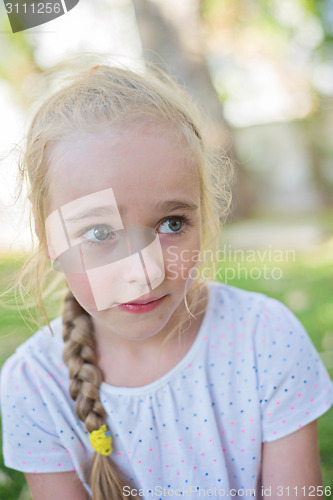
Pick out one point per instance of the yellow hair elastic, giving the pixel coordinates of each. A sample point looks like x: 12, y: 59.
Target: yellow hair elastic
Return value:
x: 101, y: 440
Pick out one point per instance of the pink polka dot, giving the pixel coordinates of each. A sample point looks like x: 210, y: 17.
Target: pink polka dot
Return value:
x: 312, y: 400
x: 202, y: 454
x: 149, y: 470
x: 139, y: 462
x: 299, y: 395
x: 300, y: 425
x: 119, y: 452
x: 214, y: 460
x: 253, y: 439
x: 194, y: 467
x: 205, y: 337
x: 243, y: 430
x: 43, y: 459
x: 150, y: 449
x: 59, y: 465
x: 167, y: 466
x: 166, y: 445
x: 23, y: 462
x: 191, y: 447
x: 178, y: 473
x: 291, y: 407
x: 129, y: 452
x: 29, y: 452
x: 283, y: 421
x: 35, y: 471
x: 214, y: 326
x: 242, y: 450
x: 210, y: 440
x: 278, y: 402
x: 179, y: 439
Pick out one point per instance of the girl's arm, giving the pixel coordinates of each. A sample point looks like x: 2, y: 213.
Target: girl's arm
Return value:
x: 52, y: 486
x: 291, y: 466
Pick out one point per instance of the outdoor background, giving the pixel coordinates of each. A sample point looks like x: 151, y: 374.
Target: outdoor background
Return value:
x: 262, y: 73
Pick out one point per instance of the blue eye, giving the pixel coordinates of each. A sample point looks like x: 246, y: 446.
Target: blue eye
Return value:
x: 173, y: 225
x: 97, y: 234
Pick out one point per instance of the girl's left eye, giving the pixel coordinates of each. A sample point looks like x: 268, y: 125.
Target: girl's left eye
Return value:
x: 173, y: 225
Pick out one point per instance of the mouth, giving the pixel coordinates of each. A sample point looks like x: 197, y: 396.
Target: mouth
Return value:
x: 140, y: 306
x: 141, y: 302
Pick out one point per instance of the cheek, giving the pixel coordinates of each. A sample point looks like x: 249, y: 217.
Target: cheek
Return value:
x: 181, y: 259
x: 80, y: 286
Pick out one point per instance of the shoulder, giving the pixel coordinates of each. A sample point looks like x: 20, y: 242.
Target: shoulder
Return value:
x: 256, y: 310
x: 41, y: 352
x: 231, y: 303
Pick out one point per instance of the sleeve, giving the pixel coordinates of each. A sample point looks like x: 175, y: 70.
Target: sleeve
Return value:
x: 31, y: 441
x: 293, y: 385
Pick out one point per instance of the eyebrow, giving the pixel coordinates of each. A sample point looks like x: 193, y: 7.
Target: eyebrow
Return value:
x: 93, y: 212
x: 162, y: 206
x: 170, y: 205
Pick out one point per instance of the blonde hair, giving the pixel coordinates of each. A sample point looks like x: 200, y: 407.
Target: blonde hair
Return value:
x: 91, y: 98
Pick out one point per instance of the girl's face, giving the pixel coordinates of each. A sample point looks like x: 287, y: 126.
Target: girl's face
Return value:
x: 129, y: 202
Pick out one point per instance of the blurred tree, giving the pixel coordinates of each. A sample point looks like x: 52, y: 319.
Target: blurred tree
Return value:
x: 172, y: 37
x: 17, y: 60
x: 294, y: 40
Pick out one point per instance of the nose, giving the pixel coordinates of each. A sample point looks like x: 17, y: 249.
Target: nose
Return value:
x: 152, y: 257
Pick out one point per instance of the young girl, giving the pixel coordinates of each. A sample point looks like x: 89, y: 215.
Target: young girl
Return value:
x: 157, y: 381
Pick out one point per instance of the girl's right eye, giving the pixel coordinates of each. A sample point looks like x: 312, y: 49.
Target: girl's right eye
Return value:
x: 97, y: 234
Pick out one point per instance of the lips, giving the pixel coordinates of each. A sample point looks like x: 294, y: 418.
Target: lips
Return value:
x: 146, y: 301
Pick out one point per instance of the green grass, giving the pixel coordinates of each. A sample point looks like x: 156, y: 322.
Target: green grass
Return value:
x: 306, y: 286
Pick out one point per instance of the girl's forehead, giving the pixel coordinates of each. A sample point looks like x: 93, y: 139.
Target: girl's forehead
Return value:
x: 139, y: 166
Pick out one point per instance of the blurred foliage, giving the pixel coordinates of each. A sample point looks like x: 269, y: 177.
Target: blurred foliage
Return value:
x: 299, y: 31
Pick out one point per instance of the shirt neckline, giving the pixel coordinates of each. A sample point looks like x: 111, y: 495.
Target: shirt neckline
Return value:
x: 152, y: 386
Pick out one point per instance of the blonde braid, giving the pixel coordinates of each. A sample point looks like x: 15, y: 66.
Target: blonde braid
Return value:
x: 80, y: 356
